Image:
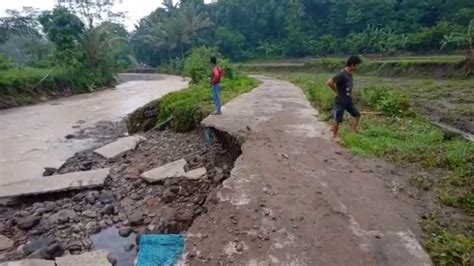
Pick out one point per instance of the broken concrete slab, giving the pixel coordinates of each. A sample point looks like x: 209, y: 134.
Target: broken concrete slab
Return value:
x: 5, y: 243
x: 119, y: 147
x: 96, y: 258
x: 29, y: 262
x: 196, y: 173
x: 174, y: 169
x: 56, y: 183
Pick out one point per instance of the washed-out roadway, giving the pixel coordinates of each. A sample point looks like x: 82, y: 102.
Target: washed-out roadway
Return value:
x: 296, y: 198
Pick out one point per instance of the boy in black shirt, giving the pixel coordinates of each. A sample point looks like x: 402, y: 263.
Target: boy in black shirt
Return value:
x: 342, y: 85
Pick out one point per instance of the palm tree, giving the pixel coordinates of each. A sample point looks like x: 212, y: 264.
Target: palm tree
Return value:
x: 170, y: 6
x: 196, y: 20
x: 177, y: 31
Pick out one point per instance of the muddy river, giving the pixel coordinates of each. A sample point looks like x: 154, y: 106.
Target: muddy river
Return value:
x: 33, y: 137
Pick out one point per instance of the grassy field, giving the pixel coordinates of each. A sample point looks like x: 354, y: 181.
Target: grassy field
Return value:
x: 449, y: 66
x: 374, y: 58
x: 398, y: 134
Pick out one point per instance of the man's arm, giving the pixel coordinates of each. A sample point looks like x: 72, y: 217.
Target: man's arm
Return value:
x: 331, y: 84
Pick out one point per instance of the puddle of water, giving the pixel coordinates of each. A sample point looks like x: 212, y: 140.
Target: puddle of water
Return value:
x: 111, y: 241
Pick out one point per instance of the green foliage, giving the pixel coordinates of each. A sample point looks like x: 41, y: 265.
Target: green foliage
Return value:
x: 446, y: 247
x: 33, y: 80
x: 230, y: 42
x: 296, y: 28
x: 169, y: 31
x: 18, y: 23
x: 4, y: 63
x: 389, y: 101
x: 197, y: 64
x: 20, y: 86
x: 316, y: 91
x: 431, y: 38
x: 63, y: 28
x: 189, y: 106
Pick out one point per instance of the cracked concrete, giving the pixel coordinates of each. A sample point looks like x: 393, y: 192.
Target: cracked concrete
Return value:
x: 295, y: 198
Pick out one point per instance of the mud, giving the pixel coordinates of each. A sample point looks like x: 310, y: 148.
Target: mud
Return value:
x: 446, y: 102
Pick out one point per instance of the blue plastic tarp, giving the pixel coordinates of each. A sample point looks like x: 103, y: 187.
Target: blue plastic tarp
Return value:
x: 160, y: 250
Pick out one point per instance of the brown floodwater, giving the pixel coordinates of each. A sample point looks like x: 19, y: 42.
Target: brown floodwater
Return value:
x: 33, y: 137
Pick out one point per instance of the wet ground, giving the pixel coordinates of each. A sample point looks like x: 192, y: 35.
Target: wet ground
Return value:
x: 447, y: 102
x: 34, y: 137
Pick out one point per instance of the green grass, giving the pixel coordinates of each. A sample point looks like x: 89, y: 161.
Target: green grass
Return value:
x: 445, y: 246
x: 21, y: 86
x: 189, y: 106
x: 18, y: 80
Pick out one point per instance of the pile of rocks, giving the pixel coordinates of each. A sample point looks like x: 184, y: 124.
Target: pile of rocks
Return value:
x: 50, y: 226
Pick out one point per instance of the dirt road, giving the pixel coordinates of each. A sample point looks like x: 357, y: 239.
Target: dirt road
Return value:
x: 295, y: 198
x: 33, y: 137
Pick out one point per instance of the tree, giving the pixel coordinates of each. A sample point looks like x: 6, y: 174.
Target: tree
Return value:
x: 175, y: 30
x: 22, y: 22
x: 30, y: 50
x: 300, y: 27
x: 93, y: 12
x: 230, y: 42
x: 65, y: 30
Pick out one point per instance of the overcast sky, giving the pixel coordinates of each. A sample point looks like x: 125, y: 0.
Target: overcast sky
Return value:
x: 136, y: 9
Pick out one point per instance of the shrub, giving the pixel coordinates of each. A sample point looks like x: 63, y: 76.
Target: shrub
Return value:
x: 196, y: 65
x: 389, y: 101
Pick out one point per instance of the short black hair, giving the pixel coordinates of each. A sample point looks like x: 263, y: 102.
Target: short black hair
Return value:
x: 353, y: 60
x: 214, y: 60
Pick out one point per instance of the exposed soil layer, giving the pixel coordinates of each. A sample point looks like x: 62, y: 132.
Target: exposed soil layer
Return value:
x: 52, y: 225
x: 34, y: 96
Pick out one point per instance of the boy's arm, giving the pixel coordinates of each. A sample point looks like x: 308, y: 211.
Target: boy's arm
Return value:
x: 331, y: 84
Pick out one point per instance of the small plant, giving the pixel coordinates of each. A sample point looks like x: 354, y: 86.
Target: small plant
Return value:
x: 389, y: 101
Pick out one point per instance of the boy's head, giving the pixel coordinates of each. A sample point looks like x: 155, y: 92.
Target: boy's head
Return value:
x: 213, y: 60
x: 353, y: 62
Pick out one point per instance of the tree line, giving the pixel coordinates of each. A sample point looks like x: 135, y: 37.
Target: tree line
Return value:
x: 296, y: 28
x: 87, y: 33
x: 82, y: 40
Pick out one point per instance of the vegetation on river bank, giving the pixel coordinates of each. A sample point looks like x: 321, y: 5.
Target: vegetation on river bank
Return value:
x: 399, y: 135
x: 185, y: 109
x: 188, y: 107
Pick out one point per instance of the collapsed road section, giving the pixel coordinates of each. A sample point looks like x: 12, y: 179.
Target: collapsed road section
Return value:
x: 296, y: 198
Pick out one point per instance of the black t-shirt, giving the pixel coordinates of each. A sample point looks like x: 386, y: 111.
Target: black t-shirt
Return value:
x: 344, y: 84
